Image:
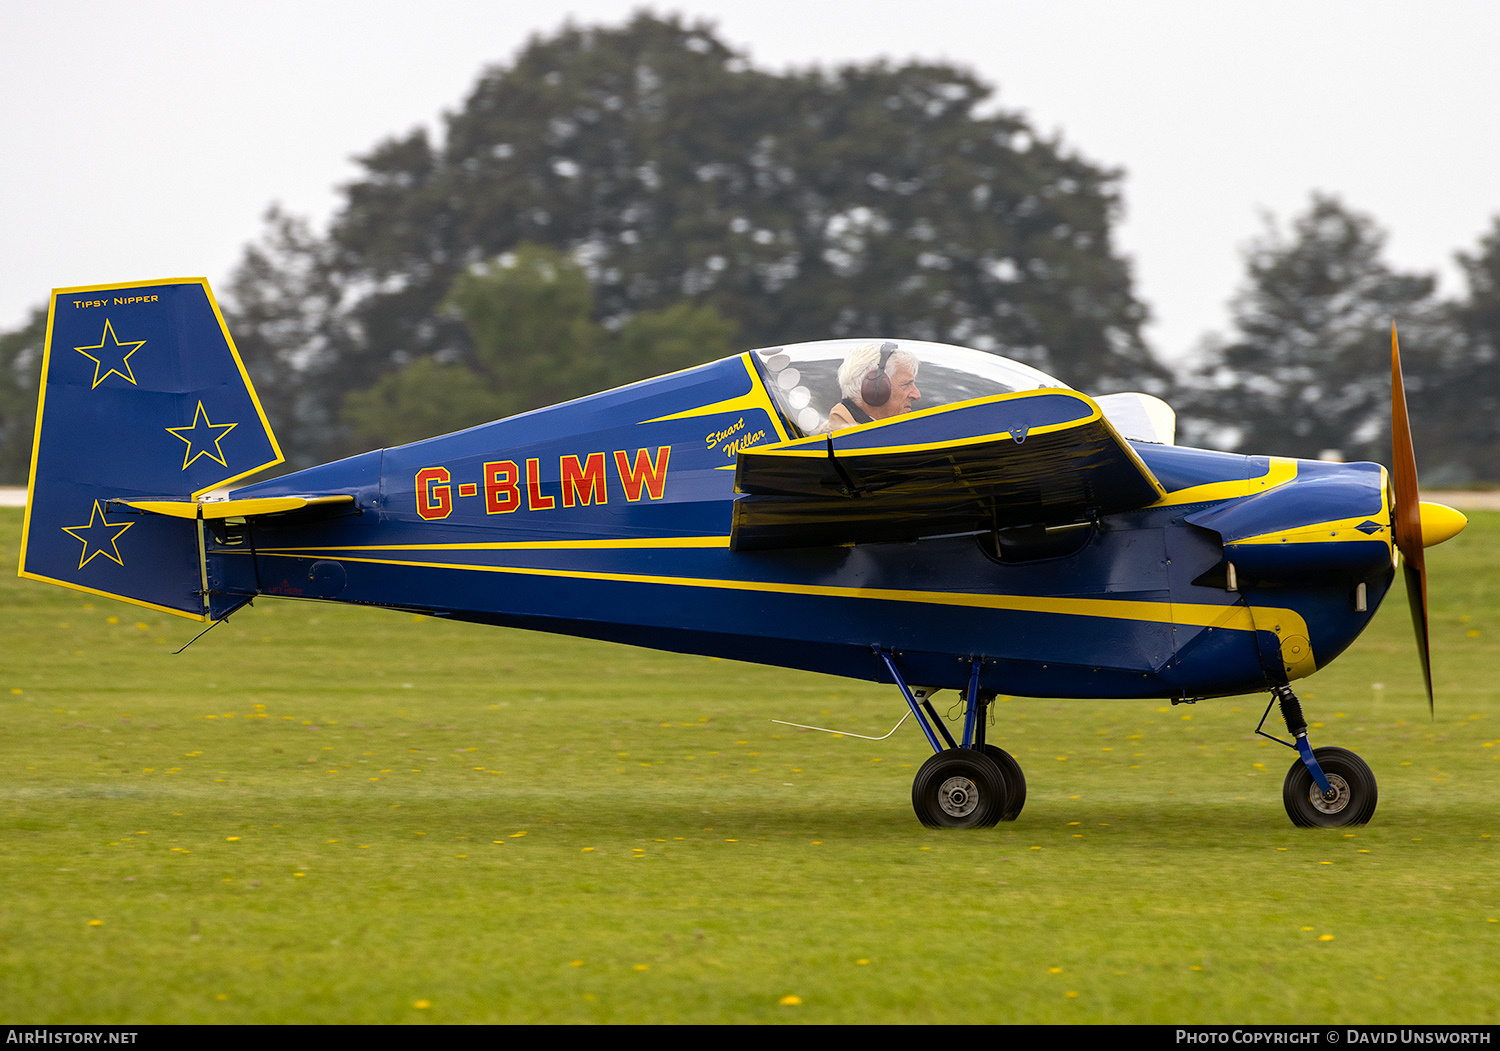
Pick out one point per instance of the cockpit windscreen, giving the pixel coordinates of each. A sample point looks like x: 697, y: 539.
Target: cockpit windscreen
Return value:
x: 803, y: 377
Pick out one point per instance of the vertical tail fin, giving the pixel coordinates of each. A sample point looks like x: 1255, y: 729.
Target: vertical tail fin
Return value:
x: 143, y: 396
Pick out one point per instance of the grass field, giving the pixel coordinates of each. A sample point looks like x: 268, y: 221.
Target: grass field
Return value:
x: 324, y: 814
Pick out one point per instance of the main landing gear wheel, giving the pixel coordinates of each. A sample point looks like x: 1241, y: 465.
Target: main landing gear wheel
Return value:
x: 1352, y: 801
x: 1015, y: 781
x: 959, y: 788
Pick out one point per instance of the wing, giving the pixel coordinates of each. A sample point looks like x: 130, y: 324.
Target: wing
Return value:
x: 1034, y: 457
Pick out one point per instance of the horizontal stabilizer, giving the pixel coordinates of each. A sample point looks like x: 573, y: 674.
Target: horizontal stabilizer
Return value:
x: 1034, y: 457
x: 212, y: 510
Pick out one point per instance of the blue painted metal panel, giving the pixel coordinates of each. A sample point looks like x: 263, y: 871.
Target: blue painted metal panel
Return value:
x: 1325, y: 492
x: 1178, y: 467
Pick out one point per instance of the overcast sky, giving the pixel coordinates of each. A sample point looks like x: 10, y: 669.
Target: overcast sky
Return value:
x: 146, y: 140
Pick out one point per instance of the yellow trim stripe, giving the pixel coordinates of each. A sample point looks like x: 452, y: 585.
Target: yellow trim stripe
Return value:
x: 249, y: 389
x: 36, y: 435
x: 110, y: 594
x: 815, y: 446
x: 756, y: 397
x: 1234, y: 618
x: 110, y: 286
x: 821, y: 452
x: 739, y: 403
x: 1332, y: 532
x: 1279, y: 471
x: 524, y: 545
x: 1135, y: 457
x: 865, y: 428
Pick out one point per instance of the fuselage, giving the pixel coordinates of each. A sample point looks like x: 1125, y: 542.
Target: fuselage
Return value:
x: 610, y: 517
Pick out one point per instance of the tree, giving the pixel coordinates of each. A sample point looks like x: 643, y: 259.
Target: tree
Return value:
x: 423, y: 399
x: 1307, y: 371
x: 533, y: 342
x: 1479, y: 313
x: 529, y: 315
x: 871, y: 199
x: 283, y: 309
x: 655, y: 342
x: 20, y: 375
x: 1459, y: 426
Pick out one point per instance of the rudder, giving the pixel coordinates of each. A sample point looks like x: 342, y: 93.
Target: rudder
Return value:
x: 143, y: 397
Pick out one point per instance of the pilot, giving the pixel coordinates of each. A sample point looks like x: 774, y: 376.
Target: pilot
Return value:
x: 878, y: 380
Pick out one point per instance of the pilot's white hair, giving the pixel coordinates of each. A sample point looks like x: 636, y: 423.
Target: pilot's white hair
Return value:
x: 865, y: 357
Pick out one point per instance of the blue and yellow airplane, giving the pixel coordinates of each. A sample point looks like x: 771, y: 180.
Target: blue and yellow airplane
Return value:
x: 1007, y: 534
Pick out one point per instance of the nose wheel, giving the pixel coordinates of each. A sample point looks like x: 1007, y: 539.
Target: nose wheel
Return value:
x: 1351, y: 797
x: 1327, y: 787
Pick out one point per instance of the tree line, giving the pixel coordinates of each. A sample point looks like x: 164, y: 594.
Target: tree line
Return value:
x: 1305, y: 370
x: 621, y: 202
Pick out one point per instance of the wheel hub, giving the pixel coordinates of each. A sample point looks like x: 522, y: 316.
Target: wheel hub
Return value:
x: 1335, y: 801
x: 958, y: 796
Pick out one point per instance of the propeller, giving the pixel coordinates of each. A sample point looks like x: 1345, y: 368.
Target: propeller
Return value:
x: 1406, y: 514
x: 1414, y: 525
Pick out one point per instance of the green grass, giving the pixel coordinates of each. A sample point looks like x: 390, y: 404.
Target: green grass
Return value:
x: 324, y: 814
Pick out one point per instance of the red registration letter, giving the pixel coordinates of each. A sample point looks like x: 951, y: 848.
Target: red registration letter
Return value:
x: 535, y: 501
x: 502, y: 493
x: 643, y: 473
x: 434, y: 494
x: 583, y: 483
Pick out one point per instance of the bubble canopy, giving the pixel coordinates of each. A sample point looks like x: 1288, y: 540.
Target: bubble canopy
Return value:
x: 803, y: 377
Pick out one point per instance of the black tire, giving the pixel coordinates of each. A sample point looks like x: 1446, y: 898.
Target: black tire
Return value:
x: 1015, y: 781
x: 1352, y: 781
x: 959, y: 788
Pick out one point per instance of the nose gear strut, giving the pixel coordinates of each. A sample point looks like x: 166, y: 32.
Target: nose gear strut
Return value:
x: 1326, y: 786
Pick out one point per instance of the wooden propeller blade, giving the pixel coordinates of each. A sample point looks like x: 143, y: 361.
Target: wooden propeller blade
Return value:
x: 1406, y: 514
x: 1416, y: 598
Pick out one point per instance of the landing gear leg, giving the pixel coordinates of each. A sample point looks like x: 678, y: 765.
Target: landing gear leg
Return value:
x: 1015, y: 780
x: 963, y: 785
x: 1327, y: 787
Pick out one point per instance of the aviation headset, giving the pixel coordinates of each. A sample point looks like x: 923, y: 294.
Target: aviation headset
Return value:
x: 875, y: 390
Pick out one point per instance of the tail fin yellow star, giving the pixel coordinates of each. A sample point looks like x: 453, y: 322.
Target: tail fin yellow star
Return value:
x: 100, y: 537
x: 112, y: 356
x: 203, y: 438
